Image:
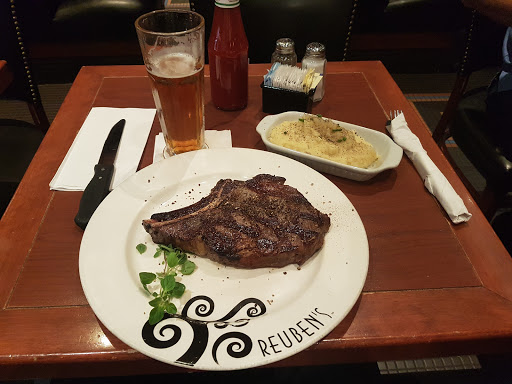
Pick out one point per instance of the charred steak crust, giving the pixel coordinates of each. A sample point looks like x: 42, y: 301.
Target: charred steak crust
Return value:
x: 256, y: 223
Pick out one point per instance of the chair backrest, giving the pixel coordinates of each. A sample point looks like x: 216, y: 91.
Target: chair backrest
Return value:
x: 329, y: 22
x: 482, y: 48
x: 14, y: 51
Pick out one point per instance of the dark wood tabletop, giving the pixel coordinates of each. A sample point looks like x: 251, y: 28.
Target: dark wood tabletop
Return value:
x: 433, y: 288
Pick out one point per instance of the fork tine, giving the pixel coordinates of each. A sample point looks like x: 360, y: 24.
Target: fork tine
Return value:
x: 395, y: 113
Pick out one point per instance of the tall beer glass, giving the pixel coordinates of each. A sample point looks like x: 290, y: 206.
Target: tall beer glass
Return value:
x: 172, y: 45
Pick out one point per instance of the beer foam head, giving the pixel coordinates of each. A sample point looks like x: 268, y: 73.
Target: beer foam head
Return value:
x: 173, y: 65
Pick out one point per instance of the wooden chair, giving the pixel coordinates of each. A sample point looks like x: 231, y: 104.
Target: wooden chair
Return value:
x: 464, y: 119
x: 14, y: 50
x: 19, y: 140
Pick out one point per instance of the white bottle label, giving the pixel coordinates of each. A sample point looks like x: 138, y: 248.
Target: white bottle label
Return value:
x: 227, y: 3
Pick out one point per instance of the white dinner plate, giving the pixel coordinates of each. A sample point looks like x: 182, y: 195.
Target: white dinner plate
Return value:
x: 230, y: 318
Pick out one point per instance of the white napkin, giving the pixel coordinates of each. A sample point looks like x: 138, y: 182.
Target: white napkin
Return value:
x: 77, y: 168
x: 435, y: 182
x: 214, y: 139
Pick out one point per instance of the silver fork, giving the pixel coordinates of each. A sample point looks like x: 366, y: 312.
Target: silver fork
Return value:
x: 395, y: 113
x: 392, y: 114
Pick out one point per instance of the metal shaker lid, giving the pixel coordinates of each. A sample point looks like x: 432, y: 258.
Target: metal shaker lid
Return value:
x: 285, y: 45
x: 315, y: 49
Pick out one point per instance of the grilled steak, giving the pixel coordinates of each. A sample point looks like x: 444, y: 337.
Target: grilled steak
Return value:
x: 256, y: 223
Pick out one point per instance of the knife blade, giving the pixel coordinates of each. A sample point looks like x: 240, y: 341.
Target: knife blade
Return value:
x: 99, y: 186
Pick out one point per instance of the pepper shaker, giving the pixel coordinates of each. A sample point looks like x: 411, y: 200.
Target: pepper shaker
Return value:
x: 285, y: 52
x: 315, y: 59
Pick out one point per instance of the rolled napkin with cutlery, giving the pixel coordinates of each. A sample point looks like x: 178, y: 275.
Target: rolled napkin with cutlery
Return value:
x: 435, y: 182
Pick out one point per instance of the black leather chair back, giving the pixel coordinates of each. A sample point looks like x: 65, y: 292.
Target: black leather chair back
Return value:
x: 14, y: 50
x: 329, y: 22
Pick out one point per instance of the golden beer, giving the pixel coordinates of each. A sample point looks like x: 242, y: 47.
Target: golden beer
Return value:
x: 177, y: 81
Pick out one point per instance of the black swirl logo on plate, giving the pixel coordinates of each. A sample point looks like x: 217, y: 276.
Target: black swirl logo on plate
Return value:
x: 237, y: 344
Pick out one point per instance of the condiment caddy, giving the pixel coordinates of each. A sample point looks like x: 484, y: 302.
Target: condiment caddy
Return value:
x: 301, y: 86
x: 287, y: 87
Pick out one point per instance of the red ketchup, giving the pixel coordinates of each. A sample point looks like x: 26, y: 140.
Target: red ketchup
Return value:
x: 228, y: 57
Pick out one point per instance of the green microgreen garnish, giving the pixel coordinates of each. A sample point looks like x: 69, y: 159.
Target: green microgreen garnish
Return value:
x: 318, y: 115
x: 301, y: 120
x: 175, y: 261
x: 337, y: 130
x: 141, y: 248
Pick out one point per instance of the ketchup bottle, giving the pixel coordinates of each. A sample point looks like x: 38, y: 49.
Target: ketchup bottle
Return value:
x: 228, y: 56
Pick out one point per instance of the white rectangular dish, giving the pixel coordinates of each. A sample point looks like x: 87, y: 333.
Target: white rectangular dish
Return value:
x: 389, y: 154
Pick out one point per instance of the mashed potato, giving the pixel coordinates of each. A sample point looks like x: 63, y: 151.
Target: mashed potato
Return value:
x: 324, y: 138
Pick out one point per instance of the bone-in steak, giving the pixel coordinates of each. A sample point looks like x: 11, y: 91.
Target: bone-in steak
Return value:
x: 256, y: 223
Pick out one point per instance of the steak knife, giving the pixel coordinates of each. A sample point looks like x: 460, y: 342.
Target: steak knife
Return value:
x: 99, y: 186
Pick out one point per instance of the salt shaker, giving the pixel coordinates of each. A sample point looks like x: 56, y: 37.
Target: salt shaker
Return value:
x: 315, y: 59
x: 285, y: 52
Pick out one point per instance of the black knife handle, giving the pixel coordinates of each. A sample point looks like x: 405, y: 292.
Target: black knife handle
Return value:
x: 97, y: 189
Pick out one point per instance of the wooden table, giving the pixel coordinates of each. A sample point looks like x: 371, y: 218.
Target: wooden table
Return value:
x: 433, y: 288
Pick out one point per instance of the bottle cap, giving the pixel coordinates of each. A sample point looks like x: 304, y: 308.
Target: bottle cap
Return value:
x: 285, y: 45
x: 315, y: 49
